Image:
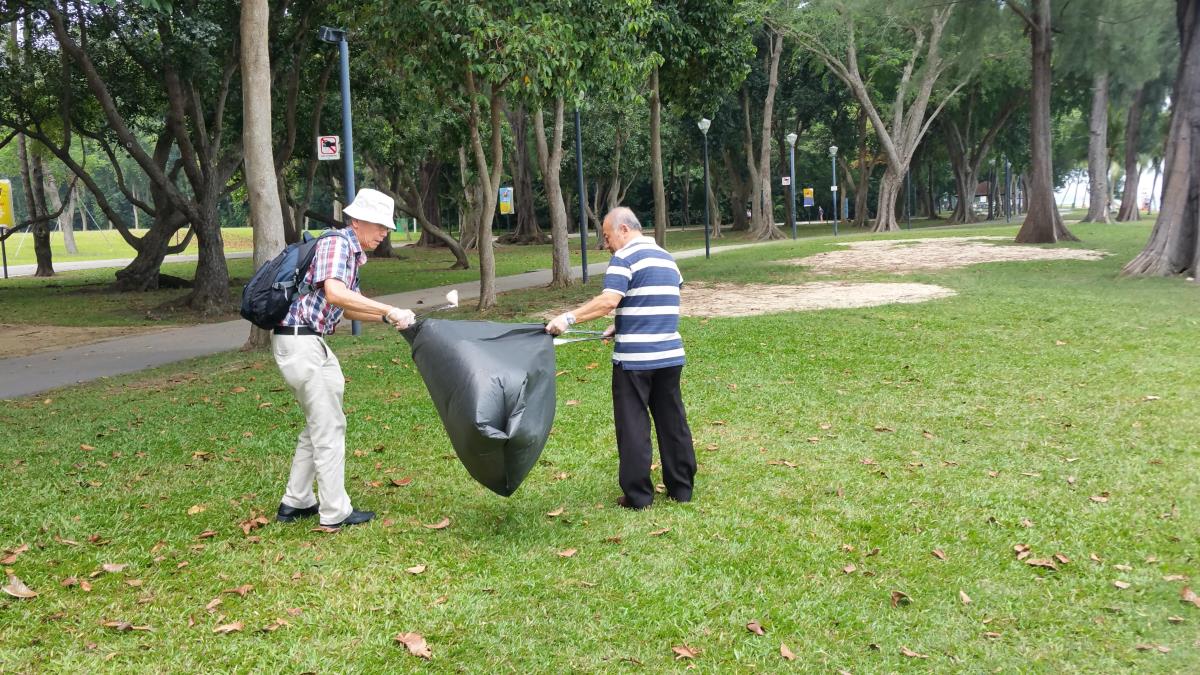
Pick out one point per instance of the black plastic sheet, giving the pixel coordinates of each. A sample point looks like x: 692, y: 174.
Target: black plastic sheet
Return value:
x: 493, y: 386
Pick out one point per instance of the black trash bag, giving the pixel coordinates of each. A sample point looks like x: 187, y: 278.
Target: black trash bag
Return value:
x: 493, y: 386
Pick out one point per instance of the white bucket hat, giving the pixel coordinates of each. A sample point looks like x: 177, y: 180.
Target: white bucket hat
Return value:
x: 374, y: 207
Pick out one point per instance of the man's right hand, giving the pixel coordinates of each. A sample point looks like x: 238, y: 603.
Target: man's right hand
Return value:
x: 400, y: 318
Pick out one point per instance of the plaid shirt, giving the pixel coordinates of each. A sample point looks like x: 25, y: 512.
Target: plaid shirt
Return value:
x: 338, y: 256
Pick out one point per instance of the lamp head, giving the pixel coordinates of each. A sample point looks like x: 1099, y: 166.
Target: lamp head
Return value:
x: 833, y: 151
x: 791, y: 139
x: 331, y: 35
x: 704, y: 124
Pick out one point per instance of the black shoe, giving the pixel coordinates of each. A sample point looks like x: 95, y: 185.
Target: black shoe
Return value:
x: 624, y: 503
x: 290, y: 514
x: 355, y: 518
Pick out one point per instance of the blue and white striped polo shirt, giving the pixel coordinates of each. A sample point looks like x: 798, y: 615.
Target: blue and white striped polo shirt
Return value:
x: 646, y: 278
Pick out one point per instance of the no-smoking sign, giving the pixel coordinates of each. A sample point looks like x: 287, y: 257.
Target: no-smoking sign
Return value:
x: 329, y: 147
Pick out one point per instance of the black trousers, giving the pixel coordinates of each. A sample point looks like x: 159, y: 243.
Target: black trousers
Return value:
x: 638, y: 394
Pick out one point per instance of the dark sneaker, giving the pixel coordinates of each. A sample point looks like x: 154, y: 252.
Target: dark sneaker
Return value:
x: 624, y: 503
x: 290, y: 514
x: 355, y: 518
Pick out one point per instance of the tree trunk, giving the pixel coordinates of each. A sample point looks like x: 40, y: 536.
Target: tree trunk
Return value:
x: 488, y: 178
x: 468, y: 210
x: 1174, y: 246
x: 1133, y: 173
x: 41, y: 229
x: 739, y: 193
x: 528, y: 231
x: 1043, y: 224
x: 262, y: 186
x: 889, y: 190
x: 714, y: 207
x: 1098, y: 152
x: 764, y: 223
x: 550, y: 162
x: 66, y: 216
x: 656, y: 168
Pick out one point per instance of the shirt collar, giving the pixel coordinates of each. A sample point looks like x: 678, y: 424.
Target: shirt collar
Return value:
x: 355, y: 247
x: 644, y: 239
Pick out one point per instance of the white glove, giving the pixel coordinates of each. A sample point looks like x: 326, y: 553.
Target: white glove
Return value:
x: 559, y: 324
x: 400, y: 318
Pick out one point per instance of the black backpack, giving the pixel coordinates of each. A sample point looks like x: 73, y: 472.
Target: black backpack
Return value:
x: 270, y: 292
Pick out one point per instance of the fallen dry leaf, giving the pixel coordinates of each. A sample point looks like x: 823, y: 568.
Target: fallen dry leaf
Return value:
x: 134, y: 582
x: 966, y: 599
x: 556, y: 512
x: 207, y: 534
x: 85, y: 586
x: 196, y: 508
x: 113, y: 568
x: 991, y: 635
x: 1174, y: 577
x: 212, y: 604
x: 275, y: 625
x: 786, y: 653
x: 882, y: 429
x: 1100, y: 498
x: 850, y: 569
x: 439, y: 525
x: 1188, y: 595
x: 13, y: 554
x: 911, y: 654
x: 568, y: 553
x: 415, y: 569
x: 1095, y: 558
x: 939, y: 554
x: 685, y: 652
x: 402, y: 482
x: 241, y: 591
x: 1152, y: 397
x: 659, y: 533
x: 1025, y: 522
x: 756, y: 628
x: 573, y: 402
x: 125, y: 626
x: 1121, y: 584
x: 900, y: 598
x: 18, y: 589
x: 1042, y: 562
x: 1144, y: 647
x: 1123, y: 568
x: 415, y: 642
x: 1062, y: 558
x: 1175, y: 619
x: 227, y: 628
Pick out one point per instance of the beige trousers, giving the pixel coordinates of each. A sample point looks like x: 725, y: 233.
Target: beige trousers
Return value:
x: 314, y: 374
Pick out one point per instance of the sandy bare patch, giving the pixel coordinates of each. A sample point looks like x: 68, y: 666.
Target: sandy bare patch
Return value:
x: 751, y: 299
x: 914, y: 255
x: 23, y: 340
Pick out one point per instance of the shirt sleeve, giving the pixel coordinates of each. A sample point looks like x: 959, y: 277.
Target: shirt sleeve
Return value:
x: 330, y: 261
x: 617, y: 277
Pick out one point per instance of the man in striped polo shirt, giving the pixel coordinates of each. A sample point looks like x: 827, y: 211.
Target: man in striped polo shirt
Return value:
x: 642, y: 284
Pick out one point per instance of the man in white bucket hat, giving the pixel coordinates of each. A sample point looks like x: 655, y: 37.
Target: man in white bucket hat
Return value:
x: 312, y: 370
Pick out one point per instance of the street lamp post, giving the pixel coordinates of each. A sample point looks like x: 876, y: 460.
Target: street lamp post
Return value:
x: 704, y: 124
x: 583, y: 245
x: 338, y: 36
x: 833, y: 162
x: 791, y: 140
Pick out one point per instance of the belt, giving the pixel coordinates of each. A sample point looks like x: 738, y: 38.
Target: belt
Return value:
x: 296, y: 330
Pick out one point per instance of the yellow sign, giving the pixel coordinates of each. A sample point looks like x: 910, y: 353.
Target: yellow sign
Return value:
x: 8, y: 219
x: 808, y: 196
x: 506, y: 201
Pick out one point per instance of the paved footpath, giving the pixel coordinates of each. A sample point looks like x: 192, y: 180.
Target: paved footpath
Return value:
x: 27, y: 375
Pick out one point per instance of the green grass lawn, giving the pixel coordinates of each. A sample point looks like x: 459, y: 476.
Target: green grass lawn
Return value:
x: 109, y: 245
x: 1048, y: 404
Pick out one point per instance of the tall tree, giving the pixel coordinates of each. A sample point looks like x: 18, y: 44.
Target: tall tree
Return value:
x: 1174, y: 246
x: 1043, y: 224
x: 266, y: 213
x: 845, y: 33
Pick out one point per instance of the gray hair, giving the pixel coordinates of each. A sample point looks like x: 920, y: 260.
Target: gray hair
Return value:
x: 624, y: 216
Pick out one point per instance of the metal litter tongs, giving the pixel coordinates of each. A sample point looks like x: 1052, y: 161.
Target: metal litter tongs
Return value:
x: 591, y: 335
